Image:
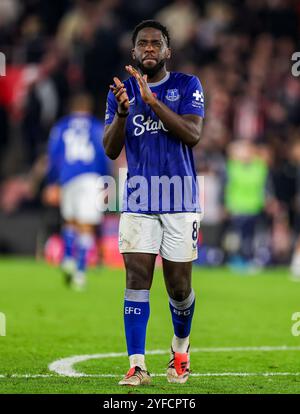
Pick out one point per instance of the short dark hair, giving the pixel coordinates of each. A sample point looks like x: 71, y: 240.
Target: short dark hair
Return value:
x: 150, y: 23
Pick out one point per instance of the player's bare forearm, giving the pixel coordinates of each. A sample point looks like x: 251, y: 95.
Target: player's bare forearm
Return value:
x: 114, y: 137
x: 114, y: 134
x: 187, y: 128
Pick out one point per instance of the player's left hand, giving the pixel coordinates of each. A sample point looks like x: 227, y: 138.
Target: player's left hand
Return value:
x: 145, y: 91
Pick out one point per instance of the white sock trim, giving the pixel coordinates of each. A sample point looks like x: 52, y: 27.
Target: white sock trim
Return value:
x: 85, y: 240
x: 137, y: 295
x: 180, y: 345
x: 137, y: 360
x: 185, y: 304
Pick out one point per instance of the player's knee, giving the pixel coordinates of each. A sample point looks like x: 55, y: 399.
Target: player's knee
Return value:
x: 137, y: 281
x: 179, y: 288
x: 137, y: 277
x: 138, y: 274
x: 180, y: 294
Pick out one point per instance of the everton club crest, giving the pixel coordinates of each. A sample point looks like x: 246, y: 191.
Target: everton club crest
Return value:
x: 172, y: 95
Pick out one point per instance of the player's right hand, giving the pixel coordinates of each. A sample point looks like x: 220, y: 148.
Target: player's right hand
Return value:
x: 121, y: 96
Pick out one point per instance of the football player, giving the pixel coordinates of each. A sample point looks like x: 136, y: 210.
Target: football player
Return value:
x: 157, y: 115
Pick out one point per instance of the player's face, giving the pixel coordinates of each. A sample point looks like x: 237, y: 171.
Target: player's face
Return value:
x: 151, y: 51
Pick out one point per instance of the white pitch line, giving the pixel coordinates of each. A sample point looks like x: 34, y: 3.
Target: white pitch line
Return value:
x: 64, y: 366
x: 203, y: 374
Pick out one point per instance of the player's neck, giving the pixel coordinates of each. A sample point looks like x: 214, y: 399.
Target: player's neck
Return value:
x: 158, y: 76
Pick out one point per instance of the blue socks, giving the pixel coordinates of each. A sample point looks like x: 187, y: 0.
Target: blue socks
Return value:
x: 182, y: 315
x: 136, y: 315
x: 84, y: 243
x: 69, y: 235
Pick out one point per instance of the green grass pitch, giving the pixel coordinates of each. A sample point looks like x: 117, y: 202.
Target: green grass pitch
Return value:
x: 46, y: 322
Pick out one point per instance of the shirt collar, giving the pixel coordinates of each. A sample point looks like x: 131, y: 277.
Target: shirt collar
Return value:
x: 163, y: 80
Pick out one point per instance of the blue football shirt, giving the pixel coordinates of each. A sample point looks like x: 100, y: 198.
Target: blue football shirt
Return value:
x: 75, y: 147
x: 161, y: 175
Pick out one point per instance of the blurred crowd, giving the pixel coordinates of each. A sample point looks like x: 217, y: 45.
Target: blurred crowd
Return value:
x: 241, y: 51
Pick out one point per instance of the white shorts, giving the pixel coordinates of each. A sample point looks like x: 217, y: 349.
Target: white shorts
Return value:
x: 79, y: 199
x: 174, y: 236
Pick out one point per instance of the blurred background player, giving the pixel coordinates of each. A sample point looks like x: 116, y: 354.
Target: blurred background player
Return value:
x: 246, y: 193
x: 76, y: 161
x: 295, y: 258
